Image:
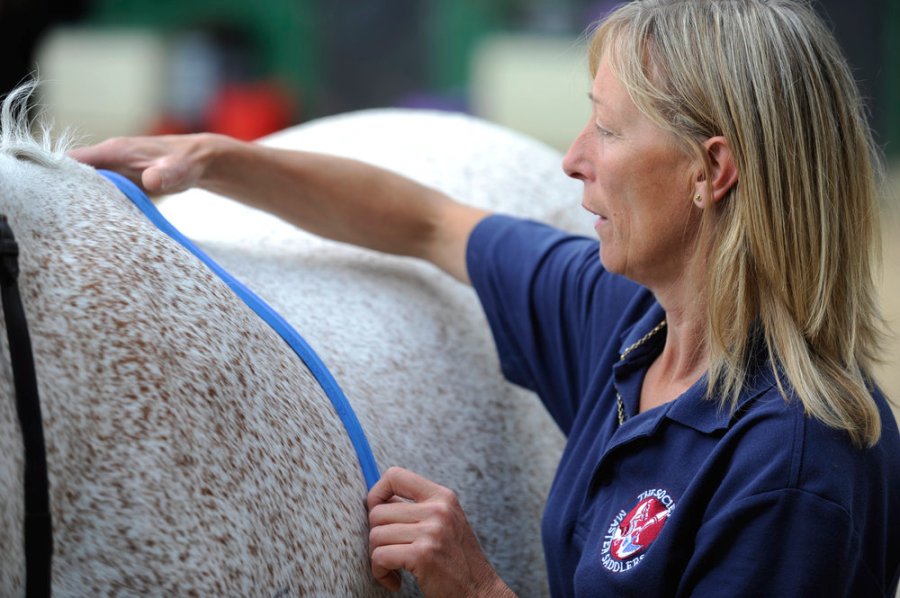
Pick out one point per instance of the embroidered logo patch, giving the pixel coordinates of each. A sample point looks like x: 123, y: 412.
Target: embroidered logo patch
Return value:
x: 630, y: 534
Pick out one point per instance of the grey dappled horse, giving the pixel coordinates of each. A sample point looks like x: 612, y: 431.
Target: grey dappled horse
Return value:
x: 190, y: 452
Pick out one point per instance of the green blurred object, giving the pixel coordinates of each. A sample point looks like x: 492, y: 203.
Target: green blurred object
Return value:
x: 454, y: 27
x: 284, y: 33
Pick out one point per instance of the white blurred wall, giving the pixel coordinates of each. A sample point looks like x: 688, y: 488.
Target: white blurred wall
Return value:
x: 537, y: 84
x: 102, y: 83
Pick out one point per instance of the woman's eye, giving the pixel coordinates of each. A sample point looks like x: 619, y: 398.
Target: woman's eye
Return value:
x: 603, y: 131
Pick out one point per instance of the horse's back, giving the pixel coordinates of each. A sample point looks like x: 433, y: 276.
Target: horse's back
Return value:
x: 188, y: 449
x: 191, y: 452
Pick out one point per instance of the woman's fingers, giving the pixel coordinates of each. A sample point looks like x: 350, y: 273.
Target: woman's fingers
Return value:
x: 101, y: 155
x: 399, y: 482
x: 386, y: 564
x: 394, y: 533
x: 153, y: 180
x: 109, y: 155
x: 398, y: 512
x: 158, y: 164
x: 166, y: 175
x: 419, y: 526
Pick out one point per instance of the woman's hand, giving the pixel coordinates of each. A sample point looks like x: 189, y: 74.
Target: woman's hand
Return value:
x: 419, y: 526
x: 164, y: 164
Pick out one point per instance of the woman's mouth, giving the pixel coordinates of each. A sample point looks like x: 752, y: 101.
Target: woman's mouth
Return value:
x: 600, y: 219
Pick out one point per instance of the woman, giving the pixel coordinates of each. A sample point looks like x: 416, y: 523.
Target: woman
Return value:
x: 710, y: 370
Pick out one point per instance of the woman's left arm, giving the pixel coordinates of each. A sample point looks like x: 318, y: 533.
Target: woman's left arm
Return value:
x: 419, y: 526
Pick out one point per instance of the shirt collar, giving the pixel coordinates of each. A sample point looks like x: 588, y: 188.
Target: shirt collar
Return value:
x: 704, y: 414
x: 639, y: 329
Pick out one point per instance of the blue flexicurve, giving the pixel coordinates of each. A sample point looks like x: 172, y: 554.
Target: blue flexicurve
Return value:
x: 273, y: 318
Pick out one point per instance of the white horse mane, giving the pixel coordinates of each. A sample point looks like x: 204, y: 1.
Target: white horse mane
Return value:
x: 30, y: 138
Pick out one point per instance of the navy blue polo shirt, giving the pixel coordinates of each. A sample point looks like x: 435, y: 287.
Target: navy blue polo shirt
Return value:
x: 686, y: 498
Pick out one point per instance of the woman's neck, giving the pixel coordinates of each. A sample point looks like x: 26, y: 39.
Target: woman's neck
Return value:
x: 685, y: 355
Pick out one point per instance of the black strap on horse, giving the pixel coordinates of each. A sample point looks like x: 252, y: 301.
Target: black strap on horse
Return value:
x: 38, y: 525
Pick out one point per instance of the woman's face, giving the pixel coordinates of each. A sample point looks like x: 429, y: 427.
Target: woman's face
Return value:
x: 638, y: 183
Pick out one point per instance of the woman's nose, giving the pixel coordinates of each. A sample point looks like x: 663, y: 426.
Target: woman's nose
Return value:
x: 573, y: 162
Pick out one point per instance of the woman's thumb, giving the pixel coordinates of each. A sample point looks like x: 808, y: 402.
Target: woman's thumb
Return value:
x: 153, y: 181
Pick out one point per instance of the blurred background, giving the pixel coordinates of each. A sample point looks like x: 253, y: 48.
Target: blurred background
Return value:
x: 251, y: 67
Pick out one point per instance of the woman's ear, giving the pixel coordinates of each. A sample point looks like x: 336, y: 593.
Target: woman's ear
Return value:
x: 722, y: 168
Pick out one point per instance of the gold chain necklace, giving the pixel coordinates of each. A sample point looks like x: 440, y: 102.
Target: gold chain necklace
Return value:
x: 619, y: 402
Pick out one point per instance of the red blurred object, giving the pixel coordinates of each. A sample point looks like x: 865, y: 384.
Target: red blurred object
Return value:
x: 249, y: 110
x: 169, y: 125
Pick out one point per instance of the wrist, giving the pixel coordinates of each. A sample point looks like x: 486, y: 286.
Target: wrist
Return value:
x: 211, y: 153
x: 498, y: 589
x: 491, y: 586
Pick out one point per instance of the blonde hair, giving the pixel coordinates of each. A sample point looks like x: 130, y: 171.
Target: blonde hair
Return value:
x: 793, y: 247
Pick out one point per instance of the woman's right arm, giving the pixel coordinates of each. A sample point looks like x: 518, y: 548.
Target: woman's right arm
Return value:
x: 337, y: 198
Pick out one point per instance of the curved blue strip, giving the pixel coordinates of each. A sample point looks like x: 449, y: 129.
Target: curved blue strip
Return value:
x: 273, y: 318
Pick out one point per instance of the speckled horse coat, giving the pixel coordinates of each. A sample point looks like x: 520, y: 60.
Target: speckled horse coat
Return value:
x: 190, y: 452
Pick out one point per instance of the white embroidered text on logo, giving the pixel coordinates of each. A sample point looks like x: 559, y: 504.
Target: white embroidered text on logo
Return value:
x: 630, y: 534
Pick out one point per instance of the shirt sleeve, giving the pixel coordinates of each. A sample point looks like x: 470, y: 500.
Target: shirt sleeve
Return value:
x: 780, y: 543
x: 549, y: 302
